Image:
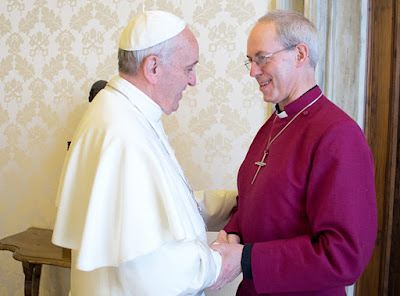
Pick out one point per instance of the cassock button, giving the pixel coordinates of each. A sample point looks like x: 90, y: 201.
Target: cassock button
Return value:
x: 305, y: 112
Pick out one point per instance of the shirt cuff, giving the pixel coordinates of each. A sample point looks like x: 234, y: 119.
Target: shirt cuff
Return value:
x: 246, y: 261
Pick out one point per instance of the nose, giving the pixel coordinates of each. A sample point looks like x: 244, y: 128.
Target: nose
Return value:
x: 255, y: 70
x: 192, y: 79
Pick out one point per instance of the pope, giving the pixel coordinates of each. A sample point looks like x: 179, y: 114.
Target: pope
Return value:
x: 125, y: 207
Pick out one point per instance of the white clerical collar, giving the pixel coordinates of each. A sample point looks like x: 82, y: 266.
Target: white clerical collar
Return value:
x: 144, y: 103
x: 281, y: 114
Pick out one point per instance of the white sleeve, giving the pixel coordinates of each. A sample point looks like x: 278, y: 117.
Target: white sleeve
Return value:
x: 177, y: 268
x: 216, y: 206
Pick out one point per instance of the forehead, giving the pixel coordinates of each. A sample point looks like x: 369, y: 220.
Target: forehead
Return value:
x: 262, y: 39
x: 188, y: 49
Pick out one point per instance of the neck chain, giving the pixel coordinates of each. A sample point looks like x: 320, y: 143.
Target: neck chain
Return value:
x: 266, y: 151
x: 165, y: 148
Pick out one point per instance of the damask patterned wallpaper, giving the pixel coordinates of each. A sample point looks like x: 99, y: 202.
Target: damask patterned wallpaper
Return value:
x: 51, y: 51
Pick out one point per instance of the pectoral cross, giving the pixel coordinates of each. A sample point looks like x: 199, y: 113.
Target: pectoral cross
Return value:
x: 260, y: 165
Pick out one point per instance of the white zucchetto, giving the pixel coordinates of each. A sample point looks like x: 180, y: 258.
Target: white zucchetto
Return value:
x: 150, y: 28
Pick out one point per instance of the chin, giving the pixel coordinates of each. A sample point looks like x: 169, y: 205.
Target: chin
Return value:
x: 269, y: 99
x: 175, y: 107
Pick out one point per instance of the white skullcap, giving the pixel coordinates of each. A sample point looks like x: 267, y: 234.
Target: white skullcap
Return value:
x: 150, y: 28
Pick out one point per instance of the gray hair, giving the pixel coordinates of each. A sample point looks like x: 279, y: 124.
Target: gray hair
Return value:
x: 293, y: 28
x: 129, y: 62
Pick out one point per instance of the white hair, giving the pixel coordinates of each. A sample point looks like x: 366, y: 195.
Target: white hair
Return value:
x: 129, y: 62
x: 293, y: 28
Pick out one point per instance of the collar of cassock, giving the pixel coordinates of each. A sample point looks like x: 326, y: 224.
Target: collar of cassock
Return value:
x: 151, y: 110
x: 282, y: 113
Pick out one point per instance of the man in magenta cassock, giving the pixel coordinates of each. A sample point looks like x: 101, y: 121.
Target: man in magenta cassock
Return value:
x: 306, y: 220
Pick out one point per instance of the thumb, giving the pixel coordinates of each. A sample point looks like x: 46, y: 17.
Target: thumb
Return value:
x: 222, y: 237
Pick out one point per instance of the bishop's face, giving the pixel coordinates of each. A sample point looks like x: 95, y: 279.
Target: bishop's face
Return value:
x: 277, y: 78
x: 179, y: 72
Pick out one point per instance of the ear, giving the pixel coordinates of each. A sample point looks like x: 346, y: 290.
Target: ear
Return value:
x: 151, y: 68
x: 301, y: 54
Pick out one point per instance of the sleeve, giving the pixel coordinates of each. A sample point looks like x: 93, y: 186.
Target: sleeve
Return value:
x: 216, y: 207
x: 341, y: 209
x: 233, y: 226
x: 183, y: 268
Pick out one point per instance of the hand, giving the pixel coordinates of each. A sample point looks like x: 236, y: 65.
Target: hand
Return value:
x: 231, y: 256
x: 233, y: 239
x: 221, y: 238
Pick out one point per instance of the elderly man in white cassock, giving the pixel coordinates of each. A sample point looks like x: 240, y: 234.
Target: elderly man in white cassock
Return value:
x: 125, y: 207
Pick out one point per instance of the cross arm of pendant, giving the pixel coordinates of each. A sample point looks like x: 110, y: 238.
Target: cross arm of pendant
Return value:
x: 260, y: 165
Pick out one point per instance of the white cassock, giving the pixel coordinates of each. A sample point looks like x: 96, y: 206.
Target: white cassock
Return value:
x: 125, y: 208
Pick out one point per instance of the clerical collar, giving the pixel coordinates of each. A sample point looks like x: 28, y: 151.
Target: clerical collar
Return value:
x: 283, y: 114
x: 280, y: 113
x: 145, y: 104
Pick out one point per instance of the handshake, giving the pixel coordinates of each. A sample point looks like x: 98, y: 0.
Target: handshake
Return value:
x: 228, y: 245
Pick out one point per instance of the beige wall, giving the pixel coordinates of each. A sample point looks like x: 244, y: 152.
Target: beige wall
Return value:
x: 50, y: 54
x: 51, y: 51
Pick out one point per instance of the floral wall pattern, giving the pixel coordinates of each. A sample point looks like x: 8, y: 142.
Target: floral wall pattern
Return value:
x: 52, y: 51
x: 50, y: 54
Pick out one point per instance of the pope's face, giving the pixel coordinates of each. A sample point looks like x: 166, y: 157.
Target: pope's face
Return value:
x: 276, y: 78
x: 179, y: 72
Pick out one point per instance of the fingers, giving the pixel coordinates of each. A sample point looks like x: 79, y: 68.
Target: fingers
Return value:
x: 216, y: 286
x: 231, y: 264
x: 233, y: 238
x: 223, y: 280
x: 219, y: 283
x: 216, y: 247
x: 222, y: 237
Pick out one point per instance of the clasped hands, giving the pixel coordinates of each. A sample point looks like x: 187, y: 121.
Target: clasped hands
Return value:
x: 228, y: 245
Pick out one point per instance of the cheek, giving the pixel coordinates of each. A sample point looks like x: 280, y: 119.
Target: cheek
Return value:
x: 286, y: 70
x: 179, y: 83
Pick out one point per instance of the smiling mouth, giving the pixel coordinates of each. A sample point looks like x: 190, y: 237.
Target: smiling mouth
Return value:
x: 264, y: 84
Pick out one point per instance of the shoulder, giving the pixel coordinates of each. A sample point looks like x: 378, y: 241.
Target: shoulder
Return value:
x: 116, y: 115
x: 333, y: 131
x: 110, y: 124
x: 328, y: 117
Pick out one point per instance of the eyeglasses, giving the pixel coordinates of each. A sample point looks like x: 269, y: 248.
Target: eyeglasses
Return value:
x: 262, y: 60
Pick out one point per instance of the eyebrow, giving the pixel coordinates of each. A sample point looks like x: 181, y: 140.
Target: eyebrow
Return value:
x: 259, y: 53
x: 191, y: 65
